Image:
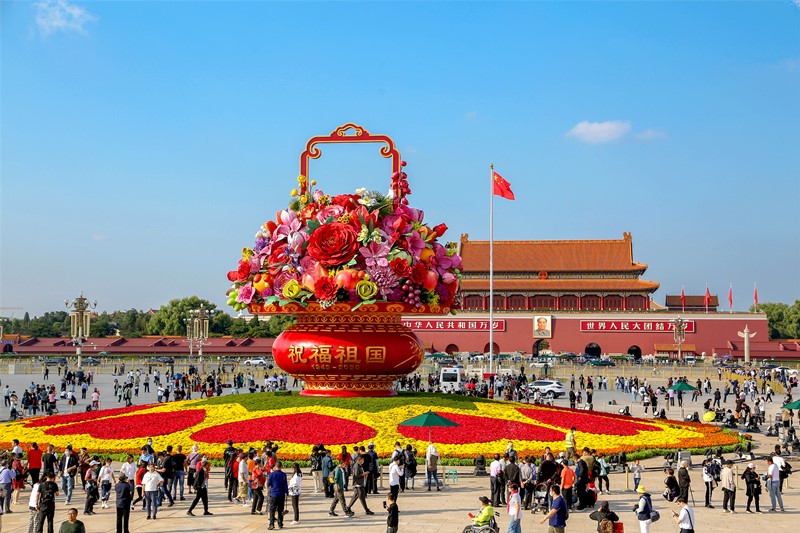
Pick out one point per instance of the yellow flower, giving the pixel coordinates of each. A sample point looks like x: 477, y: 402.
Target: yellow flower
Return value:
x: 301, y: 179
x: 366, y: 289
x: 304, y: 199
x: 294, y: 193
x: 292, y: 289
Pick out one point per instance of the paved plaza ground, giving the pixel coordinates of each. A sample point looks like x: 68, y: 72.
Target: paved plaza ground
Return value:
x: 422, y: 511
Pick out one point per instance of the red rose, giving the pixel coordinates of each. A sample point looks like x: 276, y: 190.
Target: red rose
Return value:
x: 277, y: 259
x: 348, y: 201
x: 325, y: 288
x: 333, y: 244
x: 440, y: 229
x: 400, y: 267
x: 419, y: 273
x: 241, y: 273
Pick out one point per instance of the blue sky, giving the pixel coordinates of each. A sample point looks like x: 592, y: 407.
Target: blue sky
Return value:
x: 143, y: 143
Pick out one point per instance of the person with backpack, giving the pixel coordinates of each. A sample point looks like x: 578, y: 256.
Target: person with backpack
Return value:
x: 337, y: 486
x: 410, y: 465
x: 558, y: 515
x: 773, y: 483
x: 644, y: 509
x: 46, y: 506
x: 316, y: 468
x: 605, y: 518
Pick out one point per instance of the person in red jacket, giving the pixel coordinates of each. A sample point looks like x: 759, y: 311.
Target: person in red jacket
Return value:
x: 34, y: 463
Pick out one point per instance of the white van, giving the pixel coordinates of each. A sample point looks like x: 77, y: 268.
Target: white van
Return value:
x: 452, y: 379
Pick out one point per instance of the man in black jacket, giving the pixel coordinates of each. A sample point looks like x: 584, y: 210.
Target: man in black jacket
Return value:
x: 684, y: 480
x: 229, y: 456
x: 201, y: 490
x: 373, y: 470
x: 68, y: 467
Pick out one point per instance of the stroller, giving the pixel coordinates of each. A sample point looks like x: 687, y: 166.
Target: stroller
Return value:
x: 540, y: 495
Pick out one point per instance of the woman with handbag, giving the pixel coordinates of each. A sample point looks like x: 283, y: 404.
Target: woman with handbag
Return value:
x: 753, y: 486
x: 295, y: 489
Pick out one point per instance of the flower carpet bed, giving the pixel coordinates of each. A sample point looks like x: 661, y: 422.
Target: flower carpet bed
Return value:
x: 296, y: 423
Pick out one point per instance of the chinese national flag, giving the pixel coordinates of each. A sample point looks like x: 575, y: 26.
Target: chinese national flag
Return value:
x: 755, y: 296
x: 730, y: 298
x: 683, y: 299
x: 501, y: 187
x: 707, y: 298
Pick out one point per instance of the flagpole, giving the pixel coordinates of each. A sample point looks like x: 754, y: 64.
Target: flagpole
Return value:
x: 730, y: 298
x: 491, y: 267
x: 705, y: 298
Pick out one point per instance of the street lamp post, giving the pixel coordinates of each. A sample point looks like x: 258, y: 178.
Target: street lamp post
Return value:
x: 679, y: 334
x: 80, y: 318
x: 197, y: 328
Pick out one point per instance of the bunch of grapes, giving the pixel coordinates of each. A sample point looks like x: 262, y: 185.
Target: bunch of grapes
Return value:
x: 411, y: 293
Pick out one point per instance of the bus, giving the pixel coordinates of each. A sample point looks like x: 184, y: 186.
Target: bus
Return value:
x: 452, y: 379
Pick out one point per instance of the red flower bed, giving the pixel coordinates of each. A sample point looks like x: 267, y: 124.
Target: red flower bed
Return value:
x: 590, y: 423
x: 81, y: 417
x: 305, y: 428
x: 134, y: 426
x: 480, y: 429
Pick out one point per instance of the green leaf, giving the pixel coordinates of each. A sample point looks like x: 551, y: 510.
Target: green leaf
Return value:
x: 362, y: 303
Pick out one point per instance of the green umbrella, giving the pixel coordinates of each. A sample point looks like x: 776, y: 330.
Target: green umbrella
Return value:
x: 794, y: 405
x: 682, y: 385
x: 429, y: 420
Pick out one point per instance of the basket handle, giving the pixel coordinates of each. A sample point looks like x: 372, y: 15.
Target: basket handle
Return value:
x: 353, y: 133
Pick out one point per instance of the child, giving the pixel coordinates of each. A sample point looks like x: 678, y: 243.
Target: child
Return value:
x: 392, y: 511
x: 637, y: 474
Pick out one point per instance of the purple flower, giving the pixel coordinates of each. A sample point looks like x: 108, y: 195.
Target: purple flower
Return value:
x: 415, y: 244
x: 384, y: 278
x: 261, y: 243
x: 375, y: 254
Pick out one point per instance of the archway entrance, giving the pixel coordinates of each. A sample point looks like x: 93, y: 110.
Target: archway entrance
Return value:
x: 593, y: 349
x: 451, y: 349
x: 539, y: 346
x: 495, y: 348
x: 636, y: 352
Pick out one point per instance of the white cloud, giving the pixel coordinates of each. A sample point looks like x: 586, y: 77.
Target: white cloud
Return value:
x: 99, y: 237
x: 59, y: 15
x: 599, y: 132
x: 651, y: 133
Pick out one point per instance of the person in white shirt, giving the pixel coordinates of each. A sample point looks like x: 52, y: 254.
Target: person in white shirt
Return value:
x: 151, y: 482
x: 774, y: 482
x: 244, y: 478
x: 129, y: 469
x: 515, y: 510
x: 684, y: 519
x: 17, y: 449
x: 496, y: 483
x: 107, y: 481
x: 33, y: 511
x: 395, y: 474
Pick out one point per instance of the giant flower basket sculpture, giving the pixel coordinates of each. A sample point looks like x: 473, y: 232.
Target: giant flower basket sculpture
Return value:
x: 348, y: 266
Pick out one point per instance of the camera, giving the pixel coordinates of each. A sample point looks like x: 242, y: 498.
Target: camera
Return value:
x: 384, y: 504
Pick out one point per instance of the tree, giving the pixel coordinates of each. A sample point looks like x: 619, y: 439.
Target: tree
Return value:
x: 783, y: 319
x: 171, y: 318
